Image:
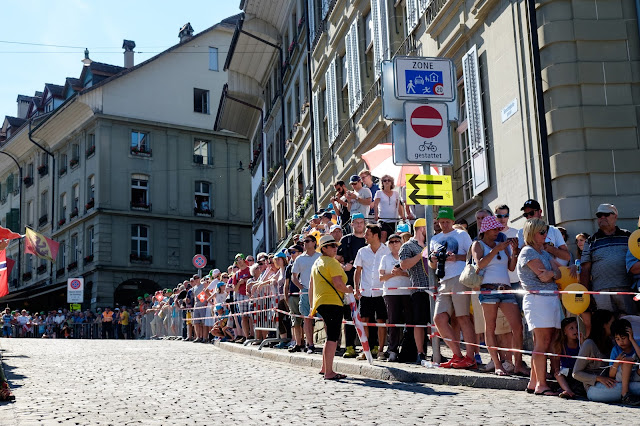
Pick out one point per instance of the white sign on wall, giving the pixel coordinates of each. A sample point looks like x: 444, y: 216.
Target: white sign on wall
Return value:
x: 75, y: 290
x: 509, y: 110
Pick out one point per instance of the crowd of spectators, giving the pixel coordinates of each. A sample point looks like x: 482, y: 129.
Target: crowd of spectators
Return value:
x: 368, y: 242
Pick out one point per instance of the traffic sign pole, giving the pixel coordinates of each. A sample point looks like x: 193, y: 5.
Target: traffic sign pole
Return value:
x: 428, y: 215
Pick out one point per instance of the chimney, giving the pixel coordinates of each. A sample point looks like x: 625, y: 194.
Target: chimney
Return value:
x: 128, y: 46
x: 186, y: 32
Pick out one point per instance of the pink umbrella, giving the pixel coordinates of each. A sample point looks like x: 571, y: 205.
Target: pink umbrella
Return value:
x: 380, y: 162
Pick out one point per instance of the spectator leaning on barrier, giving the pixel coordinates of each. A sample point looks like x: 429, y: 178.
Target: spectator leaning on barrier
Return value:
x: 327, y: 287
x: 411, y: 260
x: 397, y: 299
x: 367, y: 277
x: 452, y: 246
x: 239, y: 282
x: 347, y: 251
x: 604, y: 263
x: 301, y: 274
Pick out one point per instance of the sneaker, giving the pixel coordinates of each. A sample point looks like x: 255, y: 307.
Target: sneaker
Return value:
x: 281, y: 345
x: 349, y: 353
x: 631, y: 399
x: 453, y: 360
x: 489, y: 367
x: 311, y: 349
x: 465, y: 363
x: 393, y: 357
x: 508, y: 367
x: 478, y: 359
x: 421, y: 357
x: 382, y: 356
x: 374, y: 351
x: 296, y: 348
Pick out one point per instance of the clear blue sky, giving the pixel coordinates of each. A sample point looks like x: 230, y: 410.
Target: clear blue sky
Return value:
x: 98, y: 25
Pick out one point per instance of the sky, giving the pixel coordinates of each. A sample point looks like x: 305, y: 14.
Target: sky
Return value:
x: 43, y: 41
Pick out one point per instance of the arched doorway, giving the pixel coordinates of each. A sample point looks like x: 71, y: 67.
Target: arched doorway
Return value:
x: 128, y: 291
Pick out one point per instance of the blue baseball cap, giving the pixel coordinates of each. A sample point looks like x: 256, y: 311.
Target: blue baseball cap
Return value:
x: 281, y: 255
x: 221, y: 284
x: 402, y: 227
x: 219, y: 307
x: 315, y: 216
x: 357, y: 216
x: 330, y: 206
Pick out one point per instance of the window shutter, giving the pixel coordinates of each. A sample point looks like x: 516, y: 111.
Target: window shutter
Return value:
x: 412, y: 15
x: 380, y: 23
x: 312, y: 19
x: 329, y: 103
x: 422, y: 7
x: 325, y: 8
x: 353, y: 66
x: 317, y: 125
x: 334, y: 99
x: 477, y: 145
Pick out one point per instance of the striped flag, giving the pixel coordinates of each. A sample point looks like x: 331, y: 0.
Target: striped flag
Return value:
x: 39, y: 245
x: 4, y: 274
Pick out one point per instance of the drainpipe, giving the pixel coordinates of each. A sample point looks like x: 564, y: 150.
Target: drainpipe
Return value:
x: 19, y: 209
x: 542, y: 121
x: 309, y: 88
x: 638, y: 14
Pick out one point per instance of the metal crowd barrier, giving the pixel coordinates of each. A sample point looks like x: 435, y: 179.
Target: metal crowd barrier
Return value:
x: 267, y: 317
x: 77, y: 331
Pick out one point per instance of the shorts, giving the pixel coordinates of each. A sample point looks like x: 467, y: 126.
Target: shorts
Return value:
x: 421, y: 307
x: 497, y: 298
x: 388, y: 227
x: 294, y: 309
x: 542, y: 311
x: 199, y: 312
x: 332, y: 317
x: 621, y: 304
x: 502, y: 324
x: 373, y: 308
x: 243, y: 305
x: 457, y: 304
x: 305, y: 308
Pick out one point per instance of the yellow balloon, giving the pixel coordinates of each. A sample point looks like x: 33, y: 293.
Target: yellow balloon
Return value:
x: 634, y: 243
x: 566, y: 278
x: 576, y: 303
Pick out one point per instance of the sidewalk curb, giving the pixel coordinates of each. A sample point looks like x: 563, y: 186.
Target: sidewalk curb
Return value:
x: 382, y: 371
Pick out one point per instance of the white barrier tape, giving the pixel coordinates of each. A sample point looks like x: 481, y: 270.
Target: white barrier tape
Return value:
x: 218, y: 317
x: 368, y: 324
x: 550, y: 292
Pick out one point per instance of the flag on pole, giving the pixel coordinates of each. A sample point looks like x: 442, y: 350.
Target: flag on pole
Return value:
x: 4, y: 274
x: 39, y: 245
x: 8, y: 234
x: 357, y: 323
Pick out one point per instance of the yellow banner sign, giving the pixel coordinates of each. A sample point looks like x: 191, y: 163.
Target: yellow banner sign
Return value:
x: 429, y: 190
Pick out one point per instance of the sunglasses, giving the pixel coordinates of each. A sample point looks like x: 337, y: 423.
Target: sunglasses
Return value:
x: 394, y: 241
x: 387, y: 180
x: 501, y: 216
x: 332, y: 245
x: 292, y: 252
x: 544, y: 232
x: 260, y: 263
x: 249, y: 260
x: 529, y: 214
x: 599, y: 215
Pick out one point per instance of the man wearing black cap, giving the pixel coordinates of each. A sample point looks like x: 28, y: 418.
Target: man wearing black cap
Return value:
x: 360, y: 198
x: 554, y: 244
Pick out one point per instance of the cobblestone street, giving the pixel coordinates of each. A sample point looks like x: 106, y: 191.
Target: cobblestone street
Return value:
x: 173, y: 383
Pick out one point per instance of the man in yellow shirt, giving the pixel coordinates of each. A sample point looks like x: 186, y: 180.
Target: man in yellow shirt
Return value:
x: 124, y: 322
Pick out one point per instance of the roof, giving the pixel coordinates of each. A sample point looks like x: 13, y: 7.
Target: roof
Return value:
x: 227, y: 22
x: 24, y: 98
x: 74, y: 83
x: 57, y: 91
x: 15, y: 121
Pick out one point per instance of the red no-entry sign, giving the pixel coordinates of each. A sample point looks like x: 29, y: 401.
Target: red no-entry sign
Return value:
x: 426, y: 121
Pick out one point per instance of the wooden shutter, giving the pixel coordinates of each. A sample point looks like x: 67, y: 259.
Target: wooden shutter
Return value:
x: 475, y: 118
x: 312, y: 19
x: 331, y: 101
x: 380, y: 24
x: 412, y: 15
x: 317, y: 125
x: 353, y: 66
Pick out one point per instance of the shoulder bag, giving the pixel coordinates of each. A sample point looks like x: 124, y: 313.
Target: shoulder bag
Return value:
x: 471, y: 276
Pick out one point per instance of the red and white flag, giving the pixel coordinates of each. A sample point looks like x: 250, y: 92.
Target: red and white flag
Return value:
x: 4, y: 274
x: 202, y: 297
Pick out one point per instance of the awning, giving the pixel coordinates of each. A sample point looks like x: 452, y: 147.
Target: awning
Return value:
x: 234, y: 112
x: 31, y: 293
x: 275, y: 12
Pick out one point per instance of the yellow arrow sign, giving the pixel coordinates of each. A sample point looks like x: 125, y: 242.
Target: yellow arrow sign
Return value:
x: 429, y: 190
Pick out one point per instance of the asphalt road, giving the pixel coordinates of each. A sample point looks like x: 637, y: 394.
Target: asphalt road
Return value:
x: 86, y: 382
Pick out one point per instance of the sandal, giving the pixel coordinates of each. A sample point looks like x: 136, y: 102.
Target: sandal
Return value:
x: 566, y: 395
x: 529, y: 390
x: 500, y: 372
x: 338, y: 376
x: 547, y: 392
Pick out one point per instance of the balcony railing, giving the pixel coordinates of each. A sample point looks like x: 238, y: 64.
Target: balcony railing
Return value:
x: 343, y: 134
x: 434, y: 7
x: 373, y: 94
x: 325, y: 159
x: 407, y: 48
x: 202, y: 212
x: 43, y: 220
x: 90, y: 151
x: 140, y: 258
x: 72, y: 266
x: 141, y: 151
x: 43, y: 170
x: 140, y: 206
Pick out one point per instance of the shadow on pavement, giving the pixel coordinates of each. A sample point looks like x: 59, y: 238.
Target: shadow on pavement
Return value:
x: 416, y: 388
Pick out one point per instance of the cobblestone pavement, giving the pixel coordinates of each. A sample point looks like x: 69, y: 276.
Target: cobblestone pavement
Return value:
x: 146, y: 382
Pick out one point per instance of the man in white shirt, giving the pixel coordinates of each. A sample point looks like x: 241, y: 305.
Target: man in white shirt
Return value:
x: 360, y: 198
x: 367, y: 277
x: 554, y: 243
x: 301, y: 276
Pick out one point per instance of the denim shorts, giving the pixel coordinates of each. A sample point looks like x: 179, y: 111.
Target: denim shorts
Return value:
x: 497, y: 298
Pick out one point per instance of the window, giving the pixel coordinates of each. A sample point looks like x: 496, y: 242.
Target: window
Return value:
x: 139, y: 241
x: 63, y: 209
x: 75, y: 200
x: 74, y: 248
x: 201, y: 152
x: 30, y: 214
x: 44, y: 197
x: 213, y: 58
x: 140, y: 191
x: 75, y: 155
x: 30, y: 170
x: 90, y: 240
x: 91, y: 188
x: 202, y: 201
x: 63, y: 164
x: 201, y: 101
x: 91, y: 144
x: 44, y: 159
x: 62, y: 255
x: 140, y: 143
x: 367, y: 32
x: 203, y: 243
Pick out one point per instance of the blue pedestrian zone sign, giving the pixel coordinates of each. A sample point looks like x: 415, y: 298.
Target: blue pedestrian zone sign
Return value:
x: 424, y: 82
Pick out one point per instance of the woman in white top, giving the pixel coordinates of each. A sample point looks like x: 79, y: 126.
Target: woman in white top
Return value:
x: 387, y: 207
x: 396, y: 297
x: 496, y: 260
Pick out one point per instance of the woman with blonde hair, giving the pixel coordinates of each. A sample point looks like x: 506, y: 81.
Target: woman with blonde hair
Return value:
x: 538, y: 270
x: 387, y: 207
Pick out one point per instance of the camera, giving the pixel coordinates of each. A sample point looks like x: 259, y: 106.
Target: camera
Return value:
x: 441, y: 257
